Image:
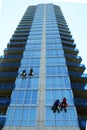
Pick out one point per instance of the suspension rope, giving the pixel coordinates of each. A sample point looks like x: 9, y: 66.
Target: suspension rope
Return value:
x: 55, y: 122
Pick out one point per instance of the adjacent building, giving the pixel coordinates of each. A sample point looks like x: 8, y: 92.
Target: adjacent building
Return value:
x: 42, y: 41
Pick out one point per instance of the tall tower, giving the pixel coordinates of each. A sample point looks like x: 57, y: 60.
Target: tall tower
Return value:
x: 42, y: 41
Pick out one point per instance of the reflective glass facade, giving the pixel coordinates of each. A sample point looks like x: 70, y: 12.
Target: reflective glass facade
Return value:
x: 57, y: 80
x: 24, y: 97
x: 50, y: 51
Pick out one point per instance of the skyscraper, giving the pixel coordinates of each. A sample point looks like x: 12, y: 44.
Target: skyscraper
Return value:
x: 42, y: 42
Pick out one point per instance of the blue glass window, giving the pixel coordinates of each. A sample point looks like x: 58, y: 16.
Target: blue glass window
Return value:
x: 57, y: 82
x: 25, y: 114
x: 61, y: 119
x: 30, y: 53
x: 10, y: 113
x: 32, y: 114
x: 52, y: 95
x: 36, y: 29
x: 31, y: 121
x: 36, y: 32
x: 49, y: 41
x: 33, y: 46
x: 17, y: 114
x: 54, y: 52
x: 22, y: 116
x: 53, y: 36
x: 24, y: 97
x: 30, y: 62
x: 53, y: 46
x: 55, y: 60
x: 14, y: 97
x: 20, y: 97
x: 34, y: 97
x: 37, y: 24
x: 34, y: 41
x: 53, y: 70
x: 28, y: 97
x: 31, y: 97
x: 14, y: 94
x: 35, y: 36
x: 32, y: 83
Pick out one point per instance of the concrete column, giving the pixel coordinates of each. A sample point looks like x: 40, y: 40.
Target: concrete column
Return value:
x: 42, y: 84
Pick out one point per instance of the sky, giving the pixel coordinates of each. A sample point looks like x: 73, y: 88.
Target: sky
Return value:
x: 75, y: 13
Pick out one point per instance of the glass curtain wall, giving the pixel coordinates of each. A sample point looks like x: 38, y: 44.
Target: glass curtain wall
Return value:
x: 22, y: 110
x: 57, y: 80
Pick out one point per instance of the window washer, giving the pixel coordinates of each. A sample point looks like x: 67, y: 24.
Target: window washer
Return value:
x: 31, y: 72
x: 23, y: 74
x: 64, y: 104
x: 56, y: 106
